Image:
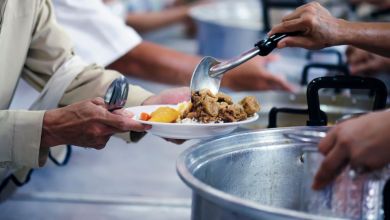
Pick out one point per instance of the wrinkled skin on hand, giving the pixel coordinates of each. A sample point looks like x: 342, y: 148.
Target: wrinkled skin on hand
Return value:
x: 87, y: 123
x: 318, y: 27
x: 363, y: 143
x: 253, y: 75
x: 362, y: 62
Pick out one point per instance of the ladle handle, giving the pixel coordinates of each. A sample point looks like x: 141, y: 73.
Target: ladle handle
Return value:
x: 266, y: 46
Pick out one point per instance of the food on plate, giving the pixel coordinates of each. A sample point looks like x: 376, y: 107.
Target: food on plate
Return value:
x: 164, y: 114
x: 184, y: 108
x: 205, y: 107
x: 250, y: 105
x: 144, y: 116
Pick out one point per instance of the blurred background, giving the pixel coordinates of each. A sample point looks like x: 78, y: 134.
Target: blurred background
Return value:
x: 138, y: 180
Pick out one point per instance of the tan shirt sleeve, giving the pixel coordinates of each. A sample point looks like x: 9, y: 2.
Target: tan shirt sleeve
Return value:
x: 49, y: 49
x: 20, y: 134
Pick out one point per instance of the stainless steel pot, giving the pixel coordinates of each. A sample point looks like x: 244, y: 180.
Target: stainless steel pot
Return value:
x: 260, y: 174
x: 250, y: 175
x: 253, y: 175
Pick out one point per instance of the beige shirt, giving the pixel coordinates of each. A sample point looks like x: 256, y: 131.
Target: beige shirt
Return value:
x: 34, y: 47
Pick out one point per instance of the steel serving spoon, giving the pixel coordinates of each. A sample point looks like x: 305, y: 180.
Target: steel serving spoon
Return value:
x: 208, y: 73
x: 116, y: 97
x: 116, y: 94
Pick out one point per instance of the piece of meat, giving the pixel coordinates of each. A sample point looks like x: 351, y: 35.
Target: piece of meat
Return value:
x: 229, y: 118
x: 192, y: 115
x: 238, y: 112
x: 250, y: 105
x: 196, y: 99
x: 222, y: 97
x: 210, y: 106
x: 233, y: 113
x: 206, y: 92
x: 222, y: 106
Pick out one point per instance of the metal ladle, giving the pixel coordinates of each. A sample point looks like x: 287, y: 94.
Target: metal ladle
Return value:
x: 208, y: 73
x: 116, y: 94
x: 116, y: 97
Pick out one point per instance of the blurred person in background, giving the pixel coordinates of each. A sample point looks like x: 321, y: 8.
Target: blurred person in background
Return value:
x: 102, y: 37
x: 70, y: 108
x: 364, y: 63
x: 150, y: 15
x: 363, y: 143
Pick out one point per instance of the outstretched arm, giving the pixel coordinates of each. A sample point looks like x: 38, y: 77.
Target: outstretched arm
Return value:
x: 153, y: 62
x: 320, y: 29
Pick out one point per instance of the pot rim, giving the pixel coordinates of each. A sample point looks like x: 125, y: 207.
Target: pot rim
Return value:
x: 231, y: 201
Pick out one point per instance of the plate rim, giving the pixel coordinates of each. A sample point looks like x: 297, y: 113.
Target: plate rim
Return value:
x: 248, y: 120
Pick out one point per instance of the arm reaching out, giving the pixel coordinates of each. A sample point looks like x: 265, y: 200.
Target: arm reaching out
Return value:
x: 320, y: 29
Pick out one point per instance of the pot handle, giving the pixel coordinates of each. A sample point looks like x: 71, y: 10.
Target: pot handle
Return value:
x: 342, y: 82
x: 306, y: 70
x: 326, y: 51
x: 267, y: 45
x: 272, y: 116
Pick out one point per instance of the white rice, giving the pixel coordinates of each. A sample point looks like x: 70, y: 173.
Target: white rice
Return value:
x: 188, y: 121
x: 194, y: 121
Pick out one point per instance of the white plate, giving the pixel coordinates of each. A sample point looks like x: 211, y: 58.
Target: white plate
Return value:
x: 185, y: 131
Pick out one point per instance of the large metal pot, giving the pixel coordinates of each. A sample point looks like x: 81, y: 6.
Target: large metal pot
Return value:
x: 252, y: 175
x: 246, y: 176
x: 259, y: 174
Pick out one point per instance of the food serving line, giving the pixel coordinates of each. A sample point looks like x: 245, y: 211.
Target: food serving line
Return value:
x: 136, y: 181
x: 139, y: 181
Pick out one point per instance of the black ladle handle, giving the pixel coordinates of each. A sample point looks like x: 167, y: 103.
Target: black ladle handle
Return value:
x: 266, y: 46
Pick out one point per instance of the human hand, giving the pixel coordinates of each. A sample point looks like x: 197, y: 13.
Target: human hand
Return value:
x: 362, y: 142
x: 362, y: 62
x: 86, y: 123
x: 318, y: 28
x: 169, y: 96
x: 252, y: 75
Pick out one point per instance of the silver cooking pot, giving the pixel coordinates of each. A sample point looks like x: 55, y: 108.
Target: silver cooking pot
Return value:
x: 260, y: 175
x: 246, y: 176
